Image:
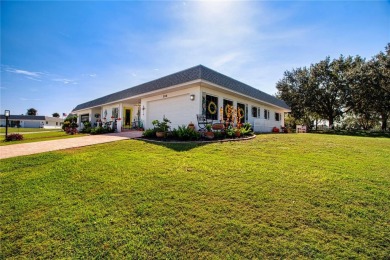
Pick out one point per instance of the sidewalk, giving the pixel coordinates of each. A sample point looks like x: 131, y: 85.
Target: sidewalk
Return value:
x: 15, y: 150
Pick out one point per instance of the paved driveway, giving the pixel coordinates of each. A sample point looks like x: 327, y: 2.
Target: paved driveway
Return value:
x: 14, y: 150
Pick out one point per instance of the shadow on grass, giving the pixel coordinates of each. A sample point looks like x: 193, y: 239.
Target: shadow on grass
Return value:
x: 178, y: 146
x: 181, y: 146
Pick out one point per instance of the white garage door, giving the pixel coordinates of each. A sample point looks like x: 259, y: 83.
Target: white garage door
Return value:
x: 177, y: 109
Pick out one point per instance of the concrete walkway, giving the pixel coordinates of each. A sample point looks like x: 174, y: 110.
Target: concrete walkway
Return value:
x: 15, y: 150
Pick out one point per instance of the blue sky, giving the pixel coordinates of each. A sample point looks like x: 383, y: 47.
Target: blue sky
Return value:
x: 58, y: 54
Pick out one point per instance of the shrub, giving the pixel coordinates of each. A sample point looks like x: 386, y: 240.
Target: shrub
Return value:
x: 14, y: 137
x: 161, y: 126
x: 230, y: 131
x: 275, y: 130
x: 70, y: 125
x: 87, y: 127
x: 246, y: 129
x: 186, y: 133
x: 149, y: 133
x: 99, y: 130
x: 219, y: 135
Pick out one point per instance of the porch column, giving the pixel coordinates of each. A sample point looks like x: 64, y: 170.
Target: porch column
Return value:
x: 119, y: 122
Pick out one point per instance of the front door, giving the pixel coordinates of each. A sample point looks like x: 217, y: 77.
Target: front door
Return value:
x: 127, y: 118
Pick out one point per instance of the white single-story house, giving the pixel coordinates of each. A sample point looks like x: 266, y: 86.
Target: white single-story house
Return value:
x: 180, y: 97
x: 26, y: 121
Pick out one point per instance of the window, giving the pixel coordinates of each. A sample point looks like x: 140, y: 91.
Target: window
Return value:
x: 266, y: 114
x: 242, y: 112
x: 254, y: 112
x: 211, y: 107
x: 56, y: 123
x: 278, y: 116
x: 47, y: 122
x: 226, y: 105
x: 84, y: 118
x: 115, y: 112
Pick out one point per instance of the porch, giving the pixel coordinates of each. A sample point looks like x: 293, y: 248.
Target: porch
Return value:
x: 118, y: 116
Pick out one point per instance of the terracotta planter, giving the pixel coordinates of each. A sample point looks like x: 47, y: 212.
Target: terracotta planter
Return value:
x: 191, y: 126
x: 160, y: 134
x: 209, y: 135
x: 237, y: 134
x: 218, y: 126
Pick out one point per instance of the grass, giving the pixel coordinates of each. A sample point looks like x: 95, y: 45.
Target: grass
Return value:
x: 276, y: 196
x: 37, y: 137
x: 23, y: 130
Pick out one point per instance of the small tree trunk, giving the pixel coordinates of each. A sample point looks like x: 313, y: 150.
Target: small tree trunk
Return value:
x: 331, y: 126
x: 384, y: 121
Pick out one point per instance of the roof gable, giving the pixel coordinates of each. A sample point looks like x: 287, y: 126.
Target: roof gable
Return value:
x: 199, y: 72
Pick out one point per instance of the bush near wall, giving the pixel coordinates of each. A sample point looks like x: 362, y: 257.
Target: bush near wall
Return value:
x: 14, y: 137
x: 362, y: 133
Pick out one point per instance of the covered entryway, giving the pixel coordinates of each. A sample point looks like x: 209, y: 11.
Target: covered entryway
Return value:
x: 127, y: 118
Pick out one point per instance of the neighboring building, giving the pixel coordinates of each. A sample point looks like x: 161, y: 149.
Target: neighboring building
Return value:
x: 180, y: 97
x: 32, y: 121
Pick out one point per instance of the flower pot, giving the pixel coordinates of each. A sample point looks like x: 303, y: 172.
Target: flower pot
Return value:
x: 191, y: 126
x: 209, y: 135
x: 160, y: 134
x: 218, y: 126
x: 237, y: 133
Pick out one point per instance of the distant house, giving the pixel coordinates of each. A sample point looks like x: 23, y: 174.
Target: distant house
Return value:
x: 181, y: 97
x: 32, y: 121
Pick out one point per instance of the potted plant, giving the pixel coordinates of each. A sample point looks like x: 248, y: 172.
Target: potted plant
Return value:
x: 237, y: 132
x: 162, y: 127
x: 191, y: 126
x: 209, y: 134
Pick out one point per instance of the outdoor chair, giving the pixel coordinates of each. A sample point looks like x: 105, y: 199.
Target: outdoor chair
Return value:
x: 203, y: 121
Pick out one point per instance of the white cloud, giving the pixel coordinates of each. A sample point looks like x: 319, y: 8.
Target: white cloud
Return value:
x: 237, y: 38
x: 31, y: 74
x: 65, y: 80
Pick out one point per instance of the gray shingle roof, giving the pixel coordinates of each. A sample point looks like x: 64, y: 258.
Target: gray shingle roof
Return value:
x: 191, y: 74
x: 24, y: 117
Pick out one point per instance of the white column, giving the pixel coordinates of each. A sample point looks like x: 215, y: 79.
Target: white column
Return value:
x: 119, y: 122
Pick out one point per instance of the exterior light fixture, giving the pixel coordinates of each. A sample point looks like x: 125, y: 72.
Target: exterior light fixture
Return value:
x: 192, y: 97
x: 143, y: 110
x: 7, y: 113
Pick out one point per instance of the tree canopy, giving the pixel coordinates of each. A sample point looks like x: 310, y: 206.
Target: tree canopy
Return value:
x: 56, y: 114
x: 339, y: 88
x: 32, y: 112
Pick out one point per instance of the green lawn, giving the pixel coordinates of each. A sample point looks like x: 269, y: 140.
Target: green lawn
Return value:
x: 37, y: 137
x: 23, y: 130
x: 276, y: 196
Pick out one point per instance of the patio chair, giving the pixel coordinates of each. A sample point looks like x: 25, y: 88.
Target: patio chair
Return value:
x: 203, y: 121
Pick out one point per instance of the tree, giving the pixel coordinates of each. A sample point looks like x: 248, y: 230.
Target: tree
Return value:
x: 32, y: 112
x: 328, y: 88
x: 332, y: 89
x: 378, y: 80
x: 370, y: 90
x: 292, y: 89
x: 56, y: 115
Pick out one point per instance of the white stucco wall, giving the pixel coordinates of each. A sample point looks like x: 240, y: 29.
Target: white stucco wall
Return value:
x: 174, y: 105
x: 259, y: 123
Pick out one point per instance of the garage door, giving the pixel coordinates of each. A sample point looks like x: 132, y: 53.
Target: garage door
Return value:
x: 176, y: 109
